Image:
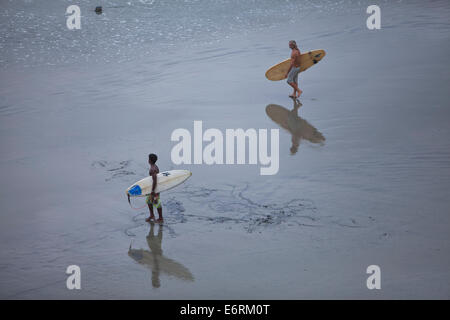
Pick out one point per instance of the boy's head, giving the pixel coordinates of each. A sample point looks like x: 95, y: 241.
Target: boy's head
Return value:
x: 152, y: 158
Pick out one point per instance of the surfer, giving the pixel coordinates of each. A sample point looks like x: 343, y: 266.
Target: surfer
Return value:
x: 294, y: 69
x: 153, y: 200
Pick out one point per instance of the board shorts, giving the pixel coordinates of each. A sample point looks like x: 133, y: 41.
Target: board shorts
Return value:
x: 156, y: 205
x: 293, y: 75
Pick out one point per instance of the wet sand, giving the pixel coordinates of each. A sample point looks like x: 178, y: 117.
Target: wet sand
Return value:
x: 367, y: 184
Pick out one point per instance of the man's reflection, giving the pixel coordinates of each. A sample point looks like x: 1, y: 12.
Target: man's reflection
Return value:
x: 155, y: 260
x: 296, y: 125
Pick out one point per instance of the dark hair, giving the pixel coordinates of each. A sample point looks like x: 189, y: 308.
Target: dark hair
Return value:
x: 152, y: 158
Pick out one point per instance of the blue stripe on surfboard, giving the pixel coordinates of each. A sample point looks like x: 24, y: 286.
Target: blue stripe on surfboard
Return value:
x: 135, y: 191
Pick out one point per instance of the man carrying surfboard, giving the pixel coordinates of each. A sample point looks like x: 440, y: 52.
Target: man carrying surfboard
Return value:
x: 153, y: 200
x: 294, y: 69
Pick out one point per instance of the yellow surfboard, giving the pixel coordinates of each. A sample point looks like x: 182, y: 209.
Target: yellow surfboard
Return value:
x: 307, y: 60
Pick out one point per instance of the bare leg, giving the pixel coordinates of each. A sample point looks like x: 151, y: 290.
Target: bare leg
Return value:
x: 160, y: 218
x: 152, y: 215
x: 292, y: 85
x: 296, y: 89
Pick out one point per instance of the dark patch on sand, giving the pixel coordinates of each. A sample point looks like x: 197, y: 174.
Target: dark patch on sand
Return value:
x: 228, y: 204
x: 114, y: 169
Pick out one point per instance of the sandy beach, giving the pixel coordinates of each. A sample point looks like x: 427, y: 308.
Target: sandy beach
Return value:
x: 364, y: 159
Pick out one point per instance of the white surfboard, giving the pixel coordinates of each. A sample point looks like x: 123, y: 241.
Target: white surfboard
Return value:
x: 164, y: 181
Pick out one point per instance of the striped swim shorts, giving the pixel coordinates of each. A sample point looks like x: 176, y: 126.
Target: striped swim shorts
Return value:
x: 156, y: 202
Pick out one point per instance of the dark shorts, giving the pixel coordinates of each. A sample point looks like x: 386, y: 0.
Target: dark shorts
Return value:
x: 293, y: 75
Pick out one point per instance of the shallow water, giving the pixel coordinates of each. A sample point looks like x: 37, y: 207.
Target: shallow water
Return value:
x: 367, y: 184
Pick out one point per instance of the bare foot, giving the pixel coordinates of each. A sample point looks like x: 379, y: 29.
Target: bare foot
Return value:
x: 292, y: 96
x: 299, y: 93
x: 151, y: 218
x: 160, y: 220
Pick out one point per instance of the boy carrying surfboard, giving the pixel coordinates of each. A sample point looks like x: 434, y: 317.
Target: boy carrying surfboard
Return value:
x: 294, y: 69
x: 153, y: 200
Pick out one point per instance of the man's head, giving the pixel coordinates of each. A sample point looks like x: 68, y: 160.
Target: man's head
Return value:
x: 152, y: 158
x: 292, y: 44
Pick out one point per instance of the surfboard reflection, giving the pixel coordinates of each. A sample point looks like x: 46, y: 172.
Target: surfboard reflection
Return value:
x: 298, y: 127
x: 156, y: 261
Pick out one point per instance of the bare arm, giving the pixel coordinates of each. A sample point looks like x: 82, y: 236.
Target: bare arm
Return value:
x: 154, y: 182
x: 293, y: 57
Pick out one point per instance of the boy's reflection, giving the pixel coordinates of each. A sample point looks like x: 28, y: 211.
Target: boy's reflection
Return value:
x: 296, y: 125
x: 155, y: 260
